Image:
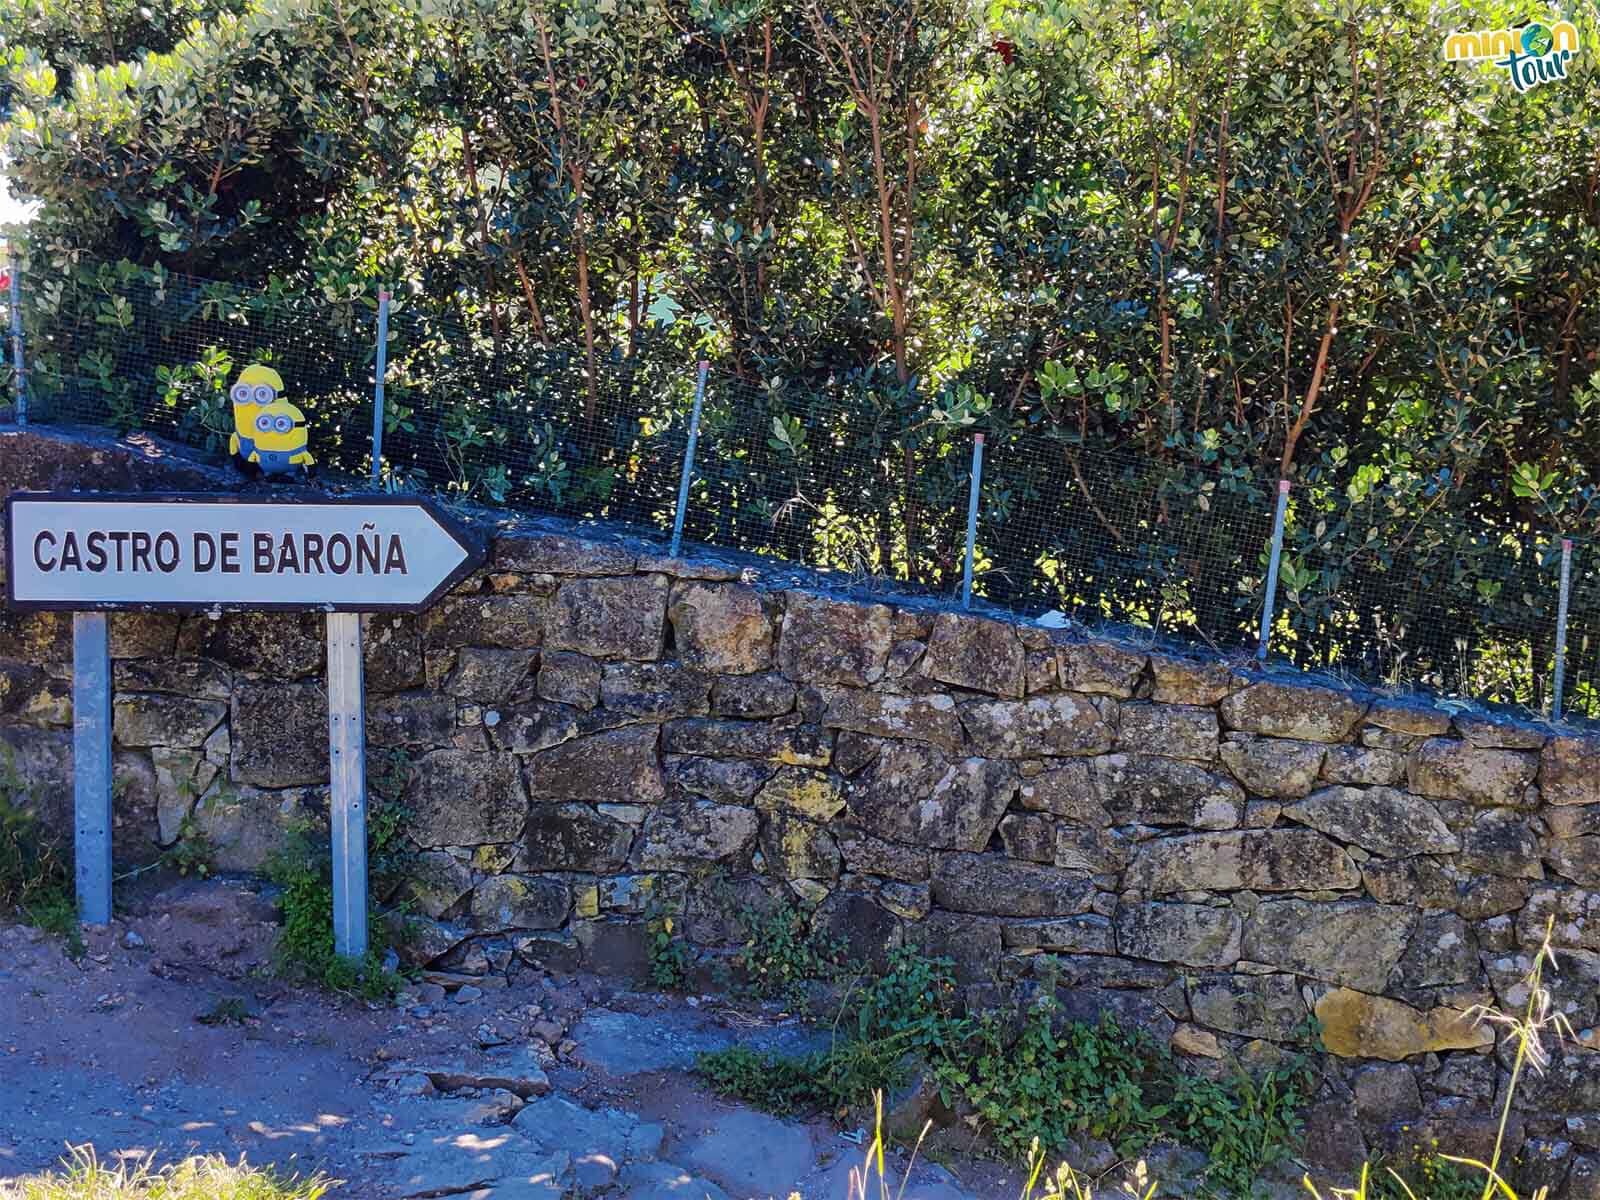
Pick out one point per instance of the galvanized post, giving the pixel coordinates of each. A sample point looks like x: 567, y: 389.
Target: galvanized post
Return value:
x: 688, y: 458
x: 1271, y: 598
x: 972, y: 519
x: 91, y: 765
x: 347, y: 771
x: 377, y: 385
x: 1561, y: 629
x: 18, y: 360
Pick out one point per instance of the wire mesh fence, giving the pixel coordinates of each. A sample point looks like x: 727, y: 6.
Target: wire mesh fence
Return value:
x: 131, y: 349
x: 850, y: 471
x: 1114, y: 538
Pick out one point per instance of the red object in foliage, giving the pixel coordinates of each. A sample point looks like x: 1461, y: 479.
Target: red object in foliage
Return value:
x: 5, y: 281
x: 1004, y: 49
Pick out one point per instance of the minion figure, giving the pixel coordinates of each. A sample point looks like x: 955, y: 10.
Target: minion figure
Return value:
x: 269, y: 433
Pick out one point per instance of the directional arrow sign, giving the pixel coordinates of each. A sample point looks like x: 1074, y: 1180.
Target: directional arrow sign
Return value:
x: 362, y: 554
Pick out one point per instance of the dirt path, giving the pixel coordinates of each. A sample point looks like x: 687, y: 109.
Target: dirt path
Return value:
x: 534, y: 1086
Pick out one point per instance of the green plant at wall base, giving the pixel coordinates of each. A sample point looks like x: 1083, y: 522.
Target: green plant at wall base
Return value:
x: 302, y: 868
x: 782, y: 951
x: 669, y: 955
x: 35, y: 881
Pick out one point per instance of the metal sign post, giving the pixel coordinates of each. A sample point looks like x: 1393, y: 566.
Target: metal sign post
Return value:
x: 347, y: 757
x: 90, y: 554
x: 91, y: 765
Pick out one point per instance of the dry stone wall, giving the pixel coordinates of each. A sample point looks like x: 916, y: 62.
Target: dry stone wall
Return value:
x: 594, y: 732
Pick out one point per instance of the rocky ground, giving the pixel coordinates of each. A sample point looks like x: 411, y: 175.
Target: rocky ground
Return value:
x: 495, y: 1088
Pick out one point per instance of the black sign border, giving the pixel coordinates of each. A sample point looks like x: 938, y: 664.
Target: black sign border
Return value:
x: 475, y: 548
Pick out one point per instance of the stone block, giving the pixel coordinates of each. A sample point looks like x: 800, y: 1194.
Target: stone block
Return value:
x: 1310, y: 714
x: 572, y: 837
x: 976, y: 653
x: 1065, y: 790
x: 1256, y: 1006
x: 720, y: 627
x: 715, y: 778
x: 1452, y: 770
x: 829, y: 641
x: 920, y: 718
x: 1569, y: 770
x: 489, y: 676
x: 1172, y: 730
x: 1275, y: 767
x: 532, y: 727
x: 868, y: 855
x: 813, y: 794
x: 1188, y: 681
x: 1267, y: 860
x: 1100, y: 668
x: 655, y: 691
x: 697, y: 830
x: 914, y: 793
x: 1030, y: 838
x: 752, y: 697
x: 610, y: 618
x: 1383, y: 820
x: 558, y: 554
x: 1364, y: 766
x: 521, y: 902
x: 462, y: 798
x: 198, y: 678
x: 1195, y: 935
x: 995, y: 886
x: 280, y: 734
x: 514, y: 621
x: 796, y: 848
x: 1409, y: 716
x: 567, y: 678
x: 1149, y: 790
x: 619, y: 766
x: 1355, y: 943
x: 1358, y: 1025
x: 797, y: 745
x: 1045, y: 725
x: 1087, y: 934
x: 391, y: 652
x: 152, y: 719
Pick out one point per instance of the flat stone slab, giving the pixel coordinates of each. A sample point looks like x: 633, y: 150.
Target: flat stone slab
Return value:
x: 624, y: 1043
x: 665, y: 1181
x: 464, y: 1161
x: 751, y: 1154
x: 555, y: 1123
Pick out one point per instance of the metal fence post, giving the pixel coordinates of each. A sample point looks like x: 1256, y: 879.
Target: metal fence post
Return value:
x: 1270, y: 601
x: 972, y: 519
x: 377, y: 386
x: 688, y: 458
x: 1561, y: 629
x: 18, y: 361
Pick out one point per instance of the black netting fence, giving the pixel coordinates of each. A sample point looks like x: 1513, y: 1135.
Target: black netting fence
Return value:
x: 850, y: 471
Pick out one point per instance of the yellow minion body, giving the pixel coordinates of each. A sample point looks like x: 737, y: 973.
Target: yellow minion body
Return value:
x: 269, y: 433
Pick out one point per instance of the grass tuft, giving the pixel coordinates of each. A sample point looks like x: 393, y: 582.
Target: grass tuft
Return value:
x: 210, y: 1177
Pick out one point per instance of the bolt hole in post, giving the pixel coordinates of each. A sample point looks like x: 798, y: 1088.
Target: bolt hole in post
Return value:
x: 1269, y: 601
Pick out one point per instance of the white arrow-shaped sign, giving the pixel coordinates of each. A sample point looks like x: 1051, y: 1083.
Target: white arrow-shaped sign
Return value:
x: 363, y: 554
